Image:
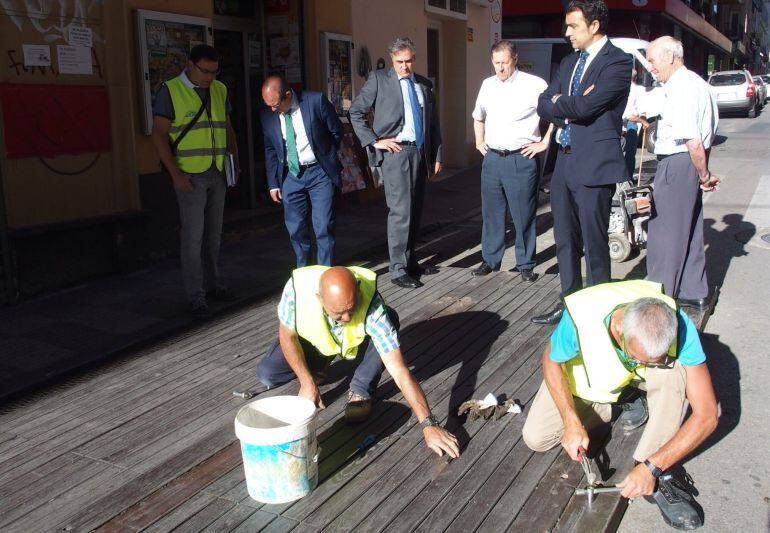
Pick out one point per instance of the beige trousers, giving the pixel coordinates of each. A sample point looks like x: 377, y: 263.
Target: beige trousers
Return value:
x: 666, y: 401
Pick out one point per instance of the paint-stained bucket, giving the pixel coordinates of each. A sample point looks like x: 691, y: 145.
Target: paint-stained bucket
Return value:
x: 279, y: 447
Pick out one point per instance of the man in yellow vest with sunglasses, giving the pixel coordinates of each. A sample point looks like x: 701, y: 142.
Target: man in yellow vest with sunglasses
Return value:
x: 329, y: 312
x: 613, y: 336
x: 192, y: 134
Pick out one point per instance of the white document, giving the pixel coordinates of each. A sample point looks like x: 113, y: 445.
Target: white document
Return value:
x: 74, y: 59
x: 230, y: 173
x: 80, y: 36
x: 36, y: 55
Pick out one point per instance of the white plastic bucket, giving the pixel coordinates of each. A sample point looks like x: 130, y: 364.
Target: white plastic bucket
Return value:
x: 279, y: 447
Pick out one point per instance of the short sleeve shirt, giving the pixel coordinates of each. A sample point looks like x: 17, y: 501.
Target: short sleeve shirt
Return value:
x: 564, y: 342
x: 163, y: 106
x: 689, y: 111
x: 508, y: 110
x: 378, y: 325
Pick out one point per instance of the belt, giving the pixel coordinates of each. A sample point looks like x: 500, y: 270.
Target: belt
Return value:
x: 505, y: 153
x: 565, y: 149
x: 661, y: 157
x: 305, y: 167
x: 407, y: 143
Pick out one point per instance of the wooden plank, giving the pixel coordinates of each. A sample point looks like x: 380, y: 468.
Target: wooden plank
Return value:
x: 257, y: 521
x: 201, y: 520
x: 172, y: 519
x: 231, y: 519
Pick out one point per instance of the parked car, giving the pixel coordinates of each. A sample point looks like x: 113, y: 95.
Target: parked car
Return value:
x: 766, y: 79
x: 761, y: 89
x: 735, y: 91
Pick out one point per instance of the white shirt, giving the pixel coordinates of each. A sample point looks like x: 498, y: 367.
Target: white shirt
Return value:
x: 689, y: 111
x: 407, y: 133
x: 508, y: 110
x: 593, y: 51
x: 305, y: 152
x: 633, y: 106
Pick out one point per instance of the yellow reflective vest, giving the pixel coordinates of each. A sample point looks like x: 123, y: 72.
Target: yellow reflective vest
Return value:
x: 598, y: 374
x: 311, y: 322
x: 206, y: 142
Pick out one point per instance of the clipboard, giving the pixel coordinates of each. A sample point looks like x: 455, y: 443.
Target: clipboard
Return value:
x: 230, y: 173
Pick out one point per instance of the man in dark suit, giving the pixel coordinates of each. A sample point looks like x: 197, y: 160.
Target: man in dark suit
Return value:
x: 405, y: 142
x: 585, y: 100
x: 302, y: 135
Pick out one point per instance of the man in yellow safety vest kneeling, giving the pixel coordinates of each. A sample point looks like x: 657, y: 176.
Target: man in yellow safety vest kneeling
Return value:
x: 616, y: 335
x: 329, y: 312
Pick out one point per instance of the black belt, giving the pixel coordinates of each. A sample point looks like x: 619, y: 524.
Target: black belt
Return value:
x: 661, y: 157
x: 305, y: 167
x: 407, y: 143
x: 565, y: 149
x: 505, y: 153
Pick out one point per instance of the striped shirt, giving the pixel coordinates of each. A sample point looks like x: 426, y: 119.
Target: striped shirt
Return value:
x: 378, y: 325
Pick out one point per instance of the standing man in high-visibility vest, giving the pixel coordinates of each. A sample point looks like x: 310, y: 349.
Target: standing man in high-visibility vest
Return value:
x: 327, y: 313
x: 612, y: 336
x: 196, y: 166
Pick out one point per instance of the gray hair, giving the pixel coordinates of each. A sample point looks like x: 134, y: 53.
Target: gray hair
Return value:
x: 504, y: 46
x: 652, y: 323
x: 401, y: 43
x: 669, y: 44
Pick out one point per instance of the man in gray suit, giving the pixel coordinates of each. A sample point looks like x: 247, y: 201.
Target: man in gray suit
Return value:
x: 405, y: 142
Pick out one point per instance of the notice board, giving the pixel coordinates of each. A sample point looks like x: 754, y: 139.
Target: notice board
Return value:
x: 164, y: 42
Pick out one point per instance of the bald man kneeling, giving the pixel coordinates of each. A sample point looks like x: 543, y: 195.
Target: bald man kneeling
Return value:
x: 326, y: 313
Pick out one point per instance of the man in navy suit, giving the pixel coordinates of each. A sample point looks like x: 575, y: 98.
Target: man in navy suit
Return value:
x: 586, y: 101
x: 302, y: 135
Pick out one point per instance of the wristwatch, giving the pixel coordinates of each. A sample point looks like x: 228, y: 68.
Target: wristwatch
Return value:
x: 429, y: 420
x: 654, y: 470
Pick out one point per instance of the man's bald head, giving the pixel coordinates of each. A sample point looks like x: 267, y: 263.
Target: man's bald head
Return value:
x: 338, y: 293
x: 276, y: 93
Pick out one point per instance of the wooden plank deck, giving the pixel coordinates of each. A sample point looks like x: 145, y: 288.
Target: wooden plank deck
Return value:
x: 148, y: 444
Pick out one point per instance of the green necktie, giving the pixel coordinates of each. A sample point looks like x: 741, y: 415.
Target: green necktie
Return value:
x: 291, y: 146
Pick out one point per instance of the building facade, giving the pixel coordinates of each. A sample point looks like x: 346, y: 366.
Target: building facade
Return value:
x: 82, y: 194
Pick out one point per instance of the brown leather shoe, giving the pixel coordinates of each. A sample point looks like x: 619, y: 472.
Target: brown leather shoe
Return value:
x: 357, y: 409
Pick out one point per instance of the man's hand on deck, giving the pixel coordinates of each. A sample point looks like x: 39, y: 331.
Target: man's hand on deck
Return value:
x: 638, y: 482
x: 574, y: 438
x: 441, y: 441
x: 311, y: 392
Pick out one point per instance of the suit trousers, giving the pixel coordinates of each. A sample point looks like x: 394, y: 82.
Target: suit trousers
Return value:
x: 404, y: 174
x: 274, y: 370
x: 581, y: 216
x: 666, y: 401
x: 309, y: 197
x: 675, y: 248
x: 200, y: 232
x: 511, y: 182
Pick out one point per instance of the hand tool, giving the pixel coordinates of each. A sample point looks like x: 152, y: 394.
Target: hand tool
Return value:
x: 368, y: 442
x: 591, y: 490
x: 246, y: 394
x: 590, y: 476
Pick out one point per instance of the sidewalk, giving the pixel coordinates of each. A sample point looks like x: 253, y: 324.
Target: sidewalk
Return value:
x: 45, y: 339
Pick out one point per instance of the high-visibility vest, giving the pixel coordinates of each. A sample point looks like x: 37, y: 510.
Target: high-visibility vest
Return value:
x: 207, y: 139
x: 597, y: 374
x: 310, y: 319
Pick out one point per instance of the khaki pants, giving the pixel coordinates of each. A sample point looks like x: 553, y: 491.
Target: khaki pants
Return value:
x: 665, y: 399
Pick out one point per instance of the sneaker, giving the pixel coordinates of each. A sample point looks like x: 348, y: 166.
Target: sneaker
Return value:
x: 221, y: 294
x: 634, y: 414
x: 358, y: 408
x: 676, y: 504
x: 200, y: 309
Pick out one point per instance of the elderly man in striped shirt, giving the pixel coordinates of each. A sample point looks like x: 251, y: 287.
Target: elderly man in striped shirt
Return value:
x: 330, y: 312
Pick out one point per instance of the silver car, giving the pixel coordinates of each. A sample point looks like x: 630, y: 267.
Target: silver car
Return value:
x: 761, y: 89
x: 735, y: 90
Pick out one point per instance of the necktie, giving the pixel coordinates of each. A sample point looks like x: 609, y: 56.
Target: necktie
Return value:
x: 292, y: 157
x: 414, y: 105
x: 564, y: 138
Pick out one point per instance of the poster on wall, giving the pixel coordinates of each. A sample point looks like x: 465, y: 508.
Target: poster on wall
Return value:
x: 283, y: 42
x: 164, y: 42
x: 337, y: 70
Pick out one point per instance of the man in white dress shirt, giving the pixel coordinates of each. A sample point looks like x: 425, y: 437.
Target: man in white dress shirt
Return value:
x: 686, y: 128
x: 507, y: 130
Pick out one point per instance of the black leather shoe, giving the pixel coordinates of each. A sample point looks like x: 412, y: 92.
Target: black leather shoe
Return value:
x: 676, y: 503
x: 701, y: 304
x: 551, y: 318
x: 634, y: 414
x: 406, y: 281
x: 528, y: 275
x: 482, y: 270
x: 424, y: 270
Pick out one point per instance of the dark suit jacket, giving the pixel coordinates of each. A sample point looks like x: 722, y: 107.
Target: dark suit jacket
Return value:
x: 596, y: 118
x: 382, y: 94
x: 323, y: 128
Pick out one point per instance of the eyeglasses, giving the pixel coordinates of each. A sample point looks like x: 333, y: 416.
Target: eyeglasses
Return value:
x: 666, y: 362
x: 205, y: 71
